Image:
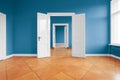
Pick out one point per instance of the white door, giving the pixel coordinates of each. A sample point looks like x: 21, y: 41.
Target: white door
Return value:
x: 43, y: 35
x: 54, y: 40
x: 2, y: 36
x: 66, y: 36
x: 78, y: 35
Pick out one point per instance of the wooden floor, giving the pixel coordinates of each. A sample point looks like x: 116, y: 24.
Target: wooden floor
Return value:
x: 61, y: 66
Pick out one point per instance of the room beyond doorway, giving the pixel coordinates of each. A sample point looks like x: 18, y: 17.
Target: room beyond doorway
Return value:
x: 60, y: 30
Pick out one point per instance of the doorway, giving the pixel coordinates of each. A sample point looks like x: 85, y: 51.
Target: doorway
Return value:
x: 60, y: 35
x: 78, y: 34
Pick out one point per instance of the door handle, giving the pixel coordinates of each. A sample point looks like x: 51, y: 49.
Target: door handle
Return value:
x: 39, y: 38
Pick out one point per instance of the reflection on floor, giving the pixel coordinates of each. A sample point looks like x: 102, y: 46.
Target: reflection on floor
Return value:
x: 61, y: 66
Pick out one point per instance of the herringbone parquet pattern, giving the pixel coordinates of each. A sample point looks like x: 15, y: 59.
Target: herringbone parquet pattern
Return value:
x: 61, y: 66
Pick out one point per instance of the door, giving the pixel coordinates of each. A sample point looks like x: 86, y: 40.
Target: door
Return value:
x: 78, y: 35
x: 43, y: 35
x: 54, y: 40
x: 66, y: 36
x: 2, y: 36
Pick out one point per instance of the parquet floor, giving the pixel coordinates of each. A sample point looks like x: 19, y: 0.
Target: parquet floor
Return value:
x: 61, y: 66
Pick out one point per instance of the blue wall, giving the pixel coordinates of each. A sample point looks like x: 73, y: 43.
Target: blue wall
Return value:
x: 7, y: 7
x: 59, y: 30
x: 97, y: 22
x: 63, y: 19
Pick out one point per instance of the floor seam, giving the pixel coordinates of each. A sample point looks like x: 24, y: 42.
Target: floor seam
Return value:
x: 32, y: 70
x: 87, y: 71
x: 6, y: 70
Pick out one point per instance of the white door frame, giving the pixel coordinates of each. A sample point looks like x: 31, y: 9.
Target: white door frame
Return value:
x: 2, y: 36
x: 61, y: 14
x: 66, y: 34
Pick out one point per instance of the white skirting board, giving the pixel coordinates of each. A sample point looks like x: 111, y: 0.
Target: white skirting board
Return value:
x: 1, y: 58
x: 114, y: 56
x: 25, y: 54
x: 9, y: 56
x: 97, y: 54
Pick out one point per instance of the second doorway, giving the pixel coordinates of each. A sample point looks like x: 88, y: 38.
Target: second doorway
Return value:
x: 60, y: 35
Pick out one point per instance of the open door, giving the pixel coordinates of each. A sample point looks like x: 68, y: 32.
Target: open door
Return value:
x: 2, y: 36
x: 43, y: 35
x: 78, y: 35
x: 54, y: 40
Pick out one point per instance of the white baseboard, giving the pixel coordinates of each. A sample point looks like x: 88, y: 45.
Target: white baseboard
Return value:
x: 9, y: 56
x: 6, y: 57
x: 98, y: 54
x: 21, y: 54
x: 111, y: 55
x: 114, y: 56
x: 1, y: 59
